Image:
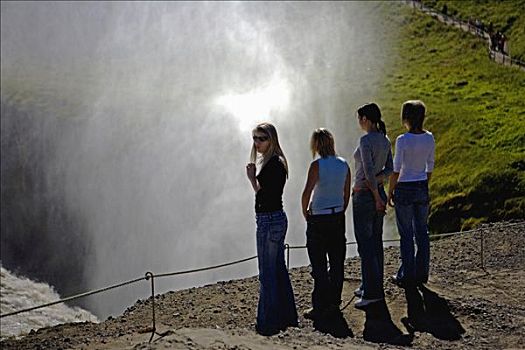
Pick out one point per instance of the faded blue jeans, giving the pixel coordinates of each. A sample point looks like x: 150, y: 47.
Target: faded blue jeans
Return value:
x: 368, y: 230
x: 411, y: 201
x: 276, y: 309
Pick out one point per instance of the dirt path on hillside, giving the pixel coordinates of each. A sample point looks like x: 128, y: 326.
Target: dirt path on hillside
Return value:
x: 488, y: 303
x: 496, y: 56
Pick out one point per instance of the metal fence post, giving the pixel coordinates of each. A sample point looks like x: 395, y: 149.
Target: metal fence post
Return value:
x: 149, y: 275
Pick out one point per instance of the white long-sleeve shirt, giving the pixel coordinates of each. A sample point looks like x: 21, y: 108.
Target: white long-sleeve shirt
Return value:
x: 414, y: 156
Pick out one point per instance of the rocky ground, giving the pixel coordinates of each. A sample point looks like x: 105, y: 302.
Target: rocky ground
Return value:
x: 486, y: 298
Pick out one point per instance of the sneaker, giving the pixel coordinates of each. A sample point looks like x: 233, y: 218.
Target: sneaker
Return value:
x: 358, y: 292
x: 310, y: 314
x: 397, y: 281
x: 362, y: 303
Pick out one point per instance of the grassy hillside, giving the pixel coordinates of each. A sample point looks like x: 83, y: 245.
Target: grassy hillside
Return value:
x: 506, y: 16
x: 476, y: 111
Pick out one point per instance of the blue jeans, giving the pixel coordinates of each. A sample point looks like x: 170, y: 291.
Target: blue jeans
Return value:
x: 276, y: 309
x: 368, y: 230
x: 325, y: 237
x: 411, y: 201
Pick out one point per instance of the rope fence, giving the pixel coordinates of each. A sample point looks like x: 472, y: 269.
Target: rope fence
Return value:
x: 150, y: 276
x: 496, y: 56
x: 147, y: 276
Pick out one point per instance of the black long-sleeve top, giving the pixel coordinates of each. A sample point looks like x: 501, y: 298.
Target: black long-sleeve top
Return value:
x: 272, y: 178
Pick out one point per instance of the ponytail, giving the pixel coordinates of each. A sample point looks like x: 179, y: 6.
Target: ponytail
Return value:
x: 381, y: 126
x: 372, y: 112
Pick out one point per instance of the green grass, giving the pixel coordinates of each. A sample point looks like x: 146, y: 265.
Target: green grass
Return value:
x: 476, y: 111
x: 506, y: 16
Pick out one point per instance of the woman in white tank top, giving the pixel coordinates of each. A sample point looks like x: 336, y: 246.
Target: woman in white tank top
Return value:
x: 324, y: 211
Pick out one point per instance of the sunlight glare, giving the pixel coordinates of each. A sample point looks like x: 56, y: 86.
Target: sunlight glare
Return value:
x: 256, y: 106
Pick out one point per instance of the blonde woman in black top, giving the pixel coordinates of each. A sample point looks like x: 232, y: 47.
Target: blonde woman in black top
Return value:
x: 276, y: 310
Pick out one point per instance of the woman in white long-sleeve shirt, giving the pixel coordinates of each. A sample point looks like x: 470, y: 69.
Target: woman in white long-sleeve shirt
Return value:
x: 408, y: 191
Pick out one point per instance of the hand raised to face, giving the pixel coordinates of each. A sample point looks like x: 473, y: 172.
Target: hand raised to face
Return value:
x: 250, y: 171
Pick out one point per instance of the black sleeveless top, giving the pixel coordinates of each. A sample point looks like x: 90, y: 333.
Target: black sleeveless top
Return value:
x: 271, y: 180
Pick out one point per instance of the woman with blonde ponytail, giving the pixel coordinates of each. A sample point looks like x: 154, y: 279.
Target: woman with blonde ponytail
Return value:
x: 276, y: 310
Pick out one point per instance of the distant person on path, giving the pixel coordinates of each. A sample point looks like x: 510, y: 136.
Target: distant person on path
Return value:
x: 490, y: 28
x: 495, y: 41
x: 478, y: 26
x: 276, y: 310
x: 329, y: 179
x: 503, y: 43
x: 373, y: 164
x: 408, y: 191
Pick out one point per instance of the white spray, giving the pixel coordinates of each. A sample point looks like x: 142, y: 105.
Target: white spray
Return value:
x: 139, y: 122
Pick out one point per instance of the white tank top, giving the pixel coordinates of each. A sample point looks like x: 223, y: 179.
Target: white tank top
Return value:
x: 329, y: 189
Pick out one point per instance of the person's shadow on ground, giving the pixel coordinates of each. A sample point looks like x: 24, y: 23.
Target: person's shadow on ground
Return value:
x: 379, y: 327
x: 428, y: 312
x: 333, y: 323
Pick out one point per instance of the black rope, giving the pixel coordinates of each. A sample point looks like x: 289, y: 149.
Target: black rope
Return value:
x: 73, y: 297
x: 398, y: 239
x: 77, y: 296
x: 205, y: 268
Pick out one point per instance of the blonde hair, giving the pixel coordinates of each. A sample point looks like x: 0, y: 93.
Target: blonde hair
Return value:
x: 322, y: 143
x: 274, y: 149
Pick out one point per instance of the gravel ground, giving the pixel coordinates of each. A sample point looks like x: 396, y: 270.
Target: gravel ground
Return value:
x: 487, y: 299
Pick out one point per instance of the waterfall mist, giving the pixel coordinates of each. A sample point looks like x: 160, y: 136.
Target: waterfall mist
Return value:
x: 126, y: 127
